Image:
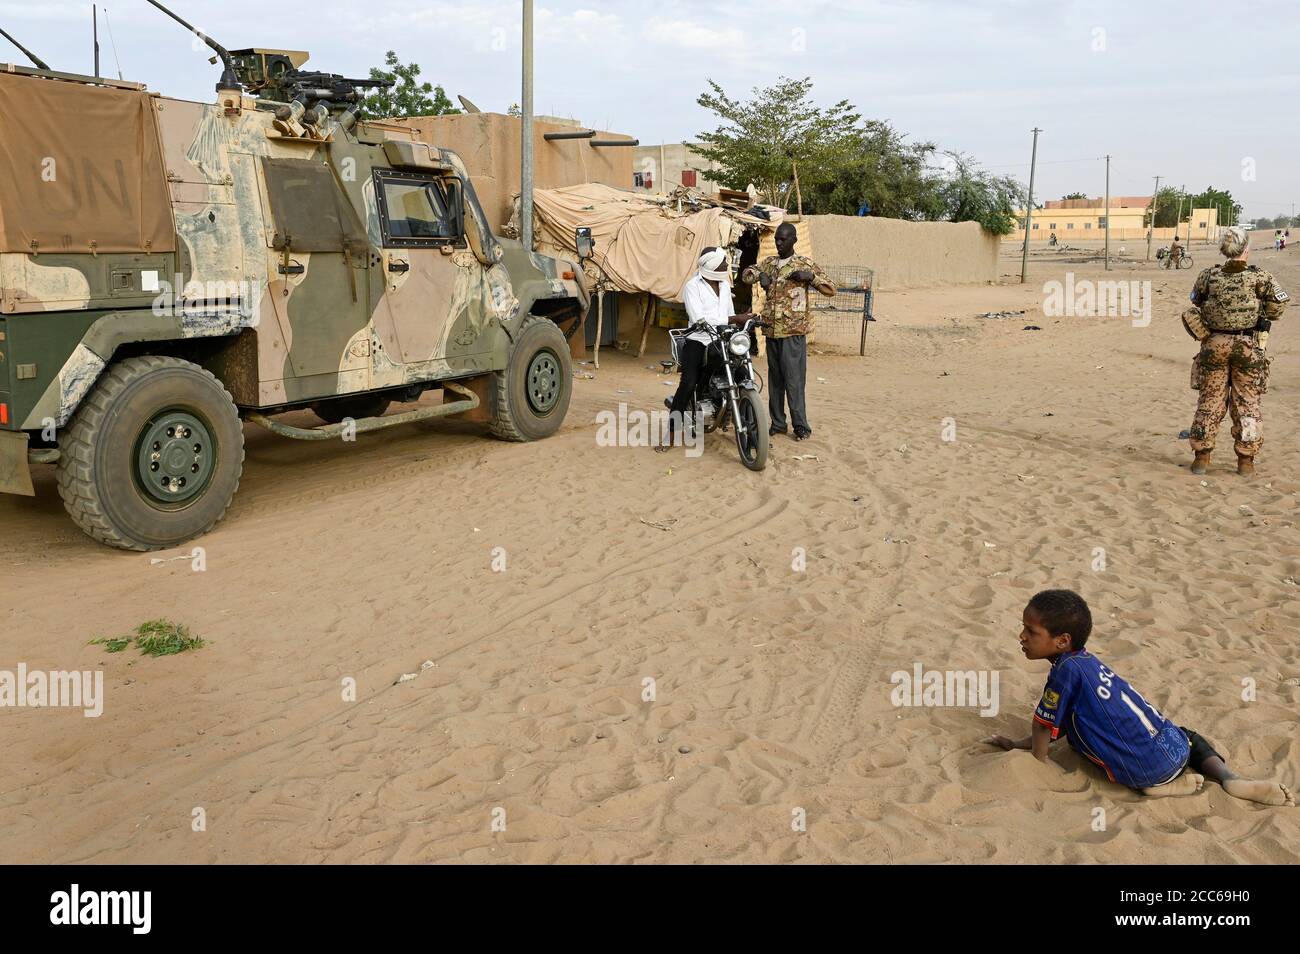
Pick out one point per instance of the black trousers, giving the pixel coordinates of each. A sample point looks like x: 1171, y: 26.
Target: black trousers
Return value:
x: 693, y: 356
x: 787, y: 374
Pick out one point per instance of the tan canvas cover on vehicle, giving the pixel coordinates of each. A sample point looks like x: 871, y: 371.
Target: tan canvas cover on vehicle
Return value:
x: 80, y: 169
x: 643, y: 244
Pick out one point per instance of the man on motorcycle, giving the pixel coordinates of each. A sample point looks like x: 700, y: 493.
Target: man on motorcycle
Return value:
x: 707, y: 297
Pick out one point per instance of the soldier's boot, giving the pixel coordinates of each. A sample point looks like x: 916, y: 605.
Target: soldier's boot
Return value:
x: 1202, y: 462
x: 1245, y: 465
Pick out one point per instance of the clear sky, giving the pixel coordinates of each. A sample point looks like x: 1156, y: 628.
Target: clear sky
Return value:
x: 1200, y: 93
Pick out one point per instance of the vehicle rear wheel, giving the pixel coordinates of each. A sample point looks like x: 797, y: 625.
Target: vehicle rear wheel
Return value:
x: 357, y: 407
x: 752, y: 437
x: 531, y: 396
x: 153, y: 456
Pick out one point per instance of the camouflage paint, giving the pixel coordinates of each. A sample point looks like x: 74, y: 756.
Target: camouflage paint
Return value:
x: 452, y: 315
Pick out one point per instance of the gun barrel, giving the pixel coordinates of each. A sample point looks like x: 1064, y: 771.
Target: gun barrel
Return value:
x: 229, y: 78
x: 39, y: 63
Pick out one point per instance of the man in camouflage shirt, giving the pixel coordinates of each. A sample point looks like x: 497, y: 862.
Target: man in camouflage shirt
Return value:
x: 1231, y: 371
x: 785, y: 278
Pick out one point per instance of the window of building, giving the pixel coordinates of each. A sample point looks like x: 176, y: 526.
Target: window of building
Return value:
x: 1069, y: 225
x: 1101, y: 222
x: 1087, y: 225
x: 688, y: 178
x: 643, y: 180
x: 1035, y: 226
x: 1052, y: 225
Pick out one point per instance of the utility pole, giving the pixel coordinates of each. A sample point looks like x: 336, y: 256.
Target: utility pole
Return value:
x: 1152, y: 231
x: 1107, y: 255
x: 526, y: 135
x: 1178, y: 219
x: 1029, y: 208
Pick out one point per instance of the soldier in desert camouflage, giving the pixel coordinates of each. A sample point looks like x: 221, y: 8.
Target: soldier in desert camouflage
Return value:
x: 1231, y: 370
x: 785, y: 278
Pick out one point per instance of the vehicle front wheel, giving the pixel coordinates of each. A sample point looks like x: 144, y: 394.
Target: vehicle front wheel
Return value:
x: 531, y: 396
x: 153, y: 456
x: 752, y: 437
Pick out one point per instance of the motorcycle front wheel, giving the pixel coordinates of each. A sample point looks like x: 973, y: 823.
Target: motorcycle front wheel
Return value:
x: 752, y: 437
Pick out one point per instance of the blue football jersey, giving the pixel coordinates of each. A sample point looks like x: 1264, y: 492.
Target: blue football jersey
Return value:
x: 1107, y: 721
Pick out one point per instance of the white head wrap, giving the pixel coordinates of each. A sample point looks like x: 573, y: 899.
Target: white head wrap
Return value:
x: 713, y: 264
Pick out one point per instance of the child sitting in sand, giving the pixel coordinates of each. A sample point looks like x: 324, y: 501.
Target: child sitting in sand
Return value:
x: 1107, y: 721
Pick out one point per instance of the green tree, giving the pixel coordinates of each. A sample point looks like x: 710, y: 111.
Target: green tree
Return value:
x: 971, y: 194
x: 881, y: 168
x: 1166, y: 207
x: 762, y: 139
x: 407, y: 97
x: 1077, y: 195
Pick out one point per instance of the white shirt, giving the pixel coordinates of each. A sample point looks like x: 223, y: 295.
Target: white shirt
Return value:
x: 703, y: 305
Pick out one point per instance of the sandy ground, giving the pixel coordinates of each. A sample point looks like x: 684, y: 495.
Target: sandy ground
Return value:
x: 772, y: 687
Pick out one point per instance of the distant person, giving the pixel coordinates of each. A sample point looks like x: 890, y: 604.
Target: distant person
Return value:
x: 1051, y: 239
x: 743, y: 294
x: 1175, y: 254
x: 1231, y: 370
x: 786, y: 277
x: 1108, y: 722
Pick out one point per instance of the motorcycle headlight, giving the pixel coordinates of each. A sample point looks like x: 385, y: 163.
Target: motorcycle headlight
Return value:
x: 739, y: 343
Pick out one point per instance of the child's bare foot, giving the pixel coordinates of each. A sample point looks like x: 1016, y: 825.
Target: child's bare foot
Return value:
x: 1266, y: 793
x: 1189, y: 783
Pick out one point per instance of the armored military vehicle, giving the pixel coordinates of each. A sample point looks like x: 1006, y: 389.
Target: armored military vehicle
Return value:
x: 171, y: 269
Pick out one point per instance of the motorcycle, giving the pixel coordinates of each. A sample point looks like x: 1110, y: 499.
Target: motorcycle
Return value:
x: 729, y: 392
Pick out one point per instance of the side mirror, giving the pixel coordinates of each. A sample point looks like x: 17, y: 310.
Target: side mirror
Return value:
x: 583, y: 241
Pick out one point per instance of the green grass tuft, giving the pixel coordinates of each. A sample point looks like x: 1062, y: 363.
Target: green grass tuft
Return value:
x: 157, y: 637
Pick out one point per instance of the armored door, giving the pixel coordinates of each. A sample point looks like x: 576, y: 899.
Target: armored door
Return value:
x: 318, y: 273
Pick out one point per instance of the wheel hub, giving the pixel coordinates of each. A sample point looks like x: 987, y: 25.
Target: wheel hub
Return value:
x: 543, y: 382
x: 175, y: 457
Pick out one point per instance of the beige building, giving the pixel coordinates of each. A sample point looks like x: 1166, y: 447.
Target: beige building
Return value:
x: 1085, y: 219
x: 662, y: 168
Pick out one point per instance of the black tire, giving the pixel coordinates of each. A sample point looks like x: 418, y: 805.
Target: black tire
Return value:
x: 755, y: 443
x: 531, y: 396
x: 1185, y: 262
x: 103, y: 454
x: 356, y: 407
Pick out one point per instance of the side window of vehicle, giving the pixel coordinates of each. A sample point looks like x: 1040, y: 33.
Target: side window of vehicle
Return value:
x: 414, y: 211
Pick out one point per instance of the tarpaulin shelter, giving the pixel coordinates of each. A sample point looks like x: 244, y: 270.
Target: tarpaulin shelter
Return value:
x: 644, y: 243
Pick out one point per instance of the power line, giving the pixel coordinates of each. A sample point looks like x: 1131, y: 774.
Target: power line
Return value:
x: 1045, y: 162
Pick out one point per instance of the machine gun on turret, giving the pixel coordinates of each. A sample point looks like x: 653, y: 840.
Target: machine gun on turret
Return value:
x: 277, y: 76
x: 308, y: 97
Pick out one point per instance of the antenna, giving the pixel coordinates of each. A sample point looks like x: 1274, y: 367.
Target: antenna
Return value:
x: 94, y: 29
x: 229, y: 79
x: 108, y: 26
x: 40, y: 64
